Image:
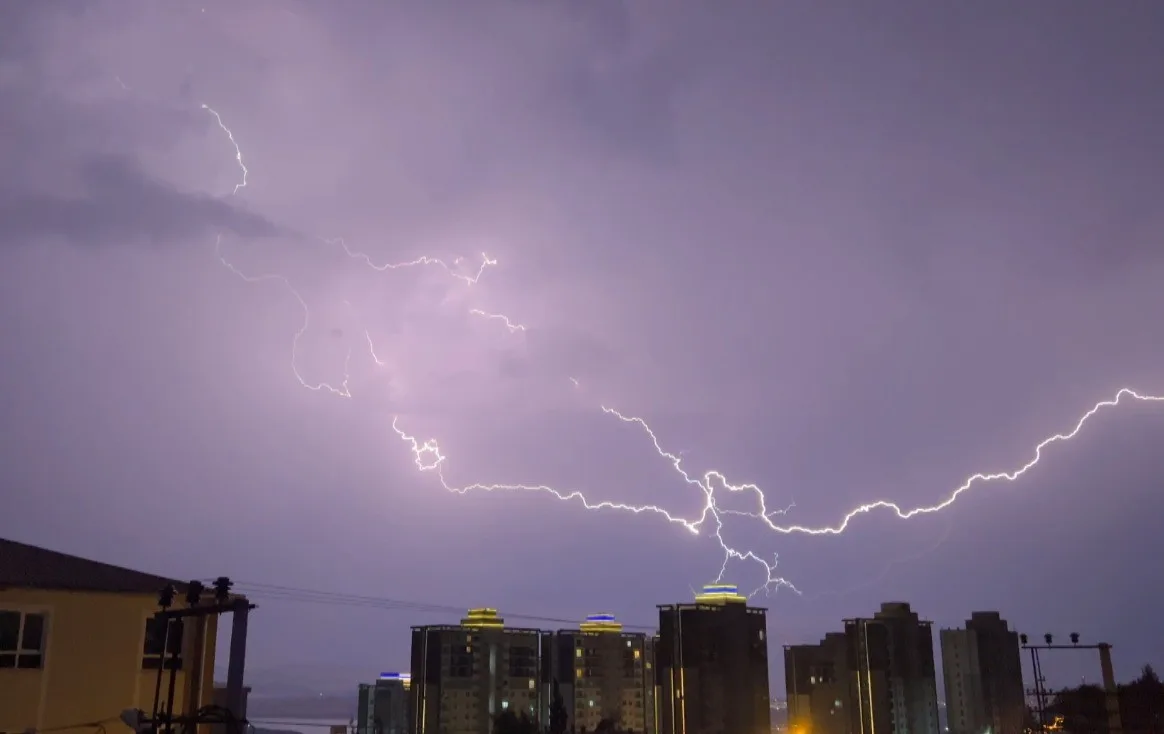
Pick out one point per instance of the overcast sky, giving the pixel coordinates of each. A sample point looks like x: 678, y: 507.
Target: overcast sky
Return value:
x: 845, y: 251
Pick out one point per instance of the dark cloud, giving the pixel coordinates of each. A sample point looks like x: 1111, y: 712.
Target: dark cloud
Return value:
x: 122, y: 204
x: 843, y: 252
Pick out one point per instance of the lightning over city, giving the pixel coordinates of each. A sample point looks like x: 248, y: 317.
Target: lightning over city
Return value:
x: 429, y: 459
x: 638, y: 366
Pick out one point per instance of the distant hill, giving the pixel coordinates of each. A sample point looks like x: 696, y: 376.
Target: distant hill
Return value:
x: 323, y: 706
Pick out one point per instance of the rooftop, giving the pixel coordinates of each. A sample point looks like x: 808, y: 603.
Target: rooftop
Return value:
x: 30, y: 567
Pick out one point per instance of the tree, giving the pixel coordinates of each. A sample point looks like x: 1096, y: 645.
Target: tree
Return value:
x: 507, y: 722
x: 559, y: 719
x: 1084, y: 709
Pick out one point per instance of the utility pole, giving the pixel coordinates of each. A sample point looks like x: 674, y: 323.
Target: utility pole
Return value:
x: 1042, y: 695
x: 163, y: 719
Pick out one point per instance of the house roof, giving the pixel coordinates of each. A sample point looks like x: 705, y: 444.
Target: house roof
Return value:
x: 29, y: 567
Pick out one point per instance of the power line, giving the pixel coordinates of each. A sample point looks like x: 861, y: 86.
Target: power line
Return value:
x: 275, y: 592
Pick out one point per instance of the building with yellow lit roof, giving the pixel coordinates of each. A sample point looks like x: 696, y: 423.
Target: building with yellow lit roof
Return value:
x: 465, y: 675
x: 711, y: 664
x: 605, y: 673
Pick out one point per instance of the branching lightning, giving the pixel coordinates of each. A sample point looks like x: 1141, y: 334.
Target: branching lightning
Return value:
x: 428, y: 457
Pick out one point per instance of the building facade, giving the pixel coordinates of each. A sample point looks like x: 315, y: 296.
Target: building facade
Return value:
x: 711, y: 665
x: 817, y: 680
x: 79, y: 642
x: 384, y: 706
x: 603, y: 674
x: 982, y: 673
x: 465, y: 675
x: 891, y: 662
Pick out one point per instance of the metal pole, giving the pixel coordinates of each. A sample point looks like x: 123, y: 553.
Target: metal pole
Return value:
x: 174, y: 661
x: 235, y: 691
x: 161, y: 670
x: 1111, y: 691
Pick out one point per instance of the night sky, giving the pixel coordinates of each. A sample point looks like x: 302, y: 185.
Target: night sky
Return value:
x: 844, y: 251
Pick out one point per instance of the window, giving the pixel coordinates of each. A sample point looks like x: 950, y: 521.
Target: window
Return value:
x: 22, y: 640
x: 159, y: 644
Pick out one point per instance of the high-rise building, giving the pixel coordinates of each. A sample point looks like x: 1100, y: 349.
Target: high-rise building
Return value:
x: 891, y: 663
x: 465, y: 675
x: 384, y: 706
x: 711, y: 665
x: 604, y: 673
x: 982, y: 672
x: 817, y: 681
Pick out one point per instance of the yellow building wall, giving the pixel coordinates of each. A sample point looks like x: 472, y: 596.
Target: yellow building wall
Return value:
x: 93, y: 662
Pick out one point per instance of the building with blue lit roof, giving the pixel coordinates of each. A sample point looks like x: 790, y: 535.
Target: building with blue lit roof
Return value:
x: 384, y: 706
x: 711, y: 665
x: 604, y: 673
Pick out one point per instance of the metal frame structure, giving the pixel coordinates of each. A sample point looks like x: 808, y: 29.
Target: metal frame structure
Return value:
x: 233, y: 715
x: 1042, y: 696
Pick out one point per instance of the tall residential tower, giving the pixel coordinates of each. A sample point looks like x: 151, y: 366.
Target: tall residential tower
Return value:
x: 817, y: 681
x: 384, y: 705
x: 982, y: 671
x: 891, y: 663
x: 711, y: 665
x: 604, y: 673
x: 463, y: 676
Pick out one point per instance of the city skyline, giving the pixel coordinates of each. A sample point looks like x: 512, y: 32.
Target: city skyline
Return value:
x: 729, y: 275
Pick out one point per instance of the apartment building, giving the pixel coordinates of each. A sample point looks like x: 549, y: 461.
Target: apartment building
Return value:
x: 465, y: 675
x: 817, y: 680
x: 604, y: 674
x: 982, y: 673
x: 384, y: 707
x: 891, y: 663
x: 711, y: 665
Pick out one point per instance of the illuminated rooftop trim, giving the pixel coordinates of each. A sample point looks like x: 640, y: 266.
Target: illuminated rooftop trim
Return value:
x: 396, y: 676
x: 483, y: 617
x: 720, y: 594
x: 600, y: 623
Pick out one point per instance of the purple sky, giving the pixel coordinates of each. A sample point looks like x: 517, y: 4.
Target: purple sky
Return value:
x: 846, y: 251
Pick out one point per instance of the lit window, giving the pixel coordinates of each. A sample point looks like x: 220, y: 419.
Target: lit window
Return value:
x: 504, y: 705
x: 638, y: 654
x: 578, y: 652
x: 531, y: 684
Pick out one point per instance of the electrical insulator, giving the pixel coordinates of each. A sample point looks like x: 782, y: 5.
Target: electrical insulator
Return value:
x: 222, y: 586
x: 194, y: 593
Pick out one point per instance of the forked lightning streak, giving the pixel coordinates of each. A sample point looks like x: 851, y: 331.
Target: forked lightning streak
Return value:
x: 428, y: 458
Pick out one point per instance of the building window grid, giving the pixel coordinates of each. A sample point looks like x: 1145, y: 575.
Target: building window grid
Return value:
x: 159, y: 645
x: 22, y: 639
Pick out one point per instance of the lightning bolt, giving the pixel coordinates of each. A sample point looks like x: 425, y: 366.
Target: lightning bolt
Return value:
x: 486, y: 262
x: 512, y: 326
x: 238, y: 157
x: 428, y: 457
x: 343, y: 389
